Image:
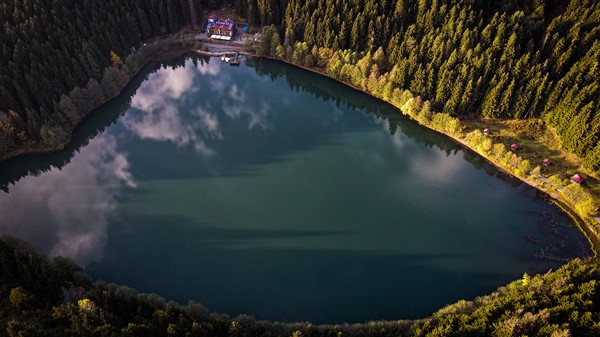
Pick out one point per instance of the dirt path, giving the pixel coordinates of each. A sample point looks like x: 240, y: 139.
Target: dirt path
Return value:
x: 221, y: 48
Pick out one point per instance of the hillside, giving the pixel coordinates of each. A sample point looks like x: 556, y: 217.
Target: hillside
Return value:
x: 62, y: 59
x: 489, y: 59
x: 476, y: 59
x: 54, y: 297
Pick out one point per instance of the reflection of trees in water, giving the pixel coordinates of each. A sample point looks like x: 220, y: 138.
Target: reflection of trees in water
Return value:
x: 481, y: 163
x: 320, y: 87
x: 14, y: 169
x: 329, y: 90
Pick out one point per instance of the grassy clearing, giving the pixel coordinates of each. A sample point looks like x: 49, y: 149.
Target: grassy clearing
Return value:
x: 538, y: 142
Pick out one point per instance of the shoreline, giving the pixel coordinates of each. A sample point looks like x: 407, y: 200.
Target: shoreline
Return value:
x: 158, y: 56
x: 583, y: 224
x: 153, y: 58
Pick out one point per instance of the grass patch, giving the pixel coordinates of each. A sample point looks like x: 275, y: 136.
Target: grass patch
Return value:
x: 538, y: 142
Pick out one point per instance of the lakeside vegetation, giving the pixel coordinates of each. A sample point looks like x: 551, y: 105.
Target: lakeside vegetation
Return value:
x: 468, y: 58
x: 62, y: 59
x: 54, y: 297
x: 453, y: 75
x: 531, y: 61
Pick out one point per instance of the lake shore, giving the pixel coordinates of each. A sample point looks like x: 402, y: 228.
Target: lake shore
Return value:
x: 586, y: 224
x: 154, y: 57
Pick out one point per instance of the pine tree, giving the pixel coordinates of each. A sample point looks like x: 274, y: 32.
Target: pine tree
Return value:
x: 592, y: 159
x: 144, y: 24
x: 266, y: 12
x: 355, y: 36
x: 67, y: 108
x: 193, y: 13
x: 172, y: 19
x: 417, y: 85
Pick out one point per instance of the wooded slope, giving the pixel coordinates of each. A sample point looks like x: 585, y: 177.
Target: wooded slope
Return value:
x: 54, y: 297
x: 495, y: 59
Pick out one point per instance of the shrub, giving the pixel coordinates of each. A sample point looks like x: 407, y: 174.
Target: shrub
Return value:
x: 485, y: 146
x: 197, y: 311
x: 87, y: 305
x: 18, y: 297
x: 53, y: 135
x: 499, y: 150
x: 523, y: 168
x: 474, y: 137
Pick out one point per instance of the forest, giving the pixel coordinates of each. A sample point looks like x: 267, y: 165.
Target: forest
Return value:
x: 54, y: 297
x: 471, y: 59
x: 490, y: 59
x: 62, y: 59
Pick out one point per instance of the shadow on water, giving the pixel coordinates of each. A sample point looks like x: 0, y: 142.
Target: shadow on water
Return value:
x: 328, y: 89
x: 178, y: 228
x: 284, y: 283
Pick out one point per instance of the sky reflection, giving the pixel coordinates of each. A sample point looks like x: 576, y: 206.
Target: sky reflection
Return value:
x: 238, y: 106
x: 265, y: 177
x: 158, y: 98
x: 66, y: 212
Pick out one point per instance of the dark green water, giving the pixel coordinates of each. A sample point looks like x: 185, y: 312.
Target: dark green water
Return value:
x: 275, y: 192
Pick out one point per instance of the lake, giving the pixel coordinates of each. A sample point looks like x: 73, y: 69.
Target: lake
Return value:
x: 268, y: 190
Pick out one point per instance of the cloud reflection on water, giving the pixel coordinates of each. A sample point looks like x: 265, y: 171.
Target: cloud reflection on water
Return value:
x: 156, y: 108
x: 76, y: 203
x: 238, y: 106
x: 434, y: 166
x: 159, y: 97
x: 209, y: 123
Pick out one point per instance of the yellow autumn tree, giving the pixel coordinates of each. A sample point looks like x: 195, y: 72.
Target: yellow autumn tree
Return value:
x: 115, y: 59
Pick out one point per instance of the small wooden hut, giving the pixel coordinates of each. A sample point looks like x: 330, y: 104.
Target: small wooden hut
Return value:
x: 547, y: 162
x: 578, y: 179
x: 487, y: 131
x: 515, y: 147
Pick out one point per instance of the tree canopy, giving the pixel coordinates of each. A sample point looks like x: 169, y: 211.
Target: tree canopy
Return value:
x: 54, y: 297
x: 60, y: 59
x: 493, y: 58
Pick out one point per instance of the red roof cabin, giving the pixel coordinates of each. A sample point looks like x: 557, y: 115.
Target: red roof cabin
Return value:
x: 578, y: 179
x: 487, y: 131
x: 515, y: 147
x: 547, y: 162
x: 222, y: 29
x: 213, y: 18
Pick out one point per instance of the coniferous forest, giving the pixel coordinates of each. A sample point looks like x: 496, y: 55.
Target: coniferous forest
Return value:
x: 494, y: 59
x: 61, y: 59
x: 491, y: 59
